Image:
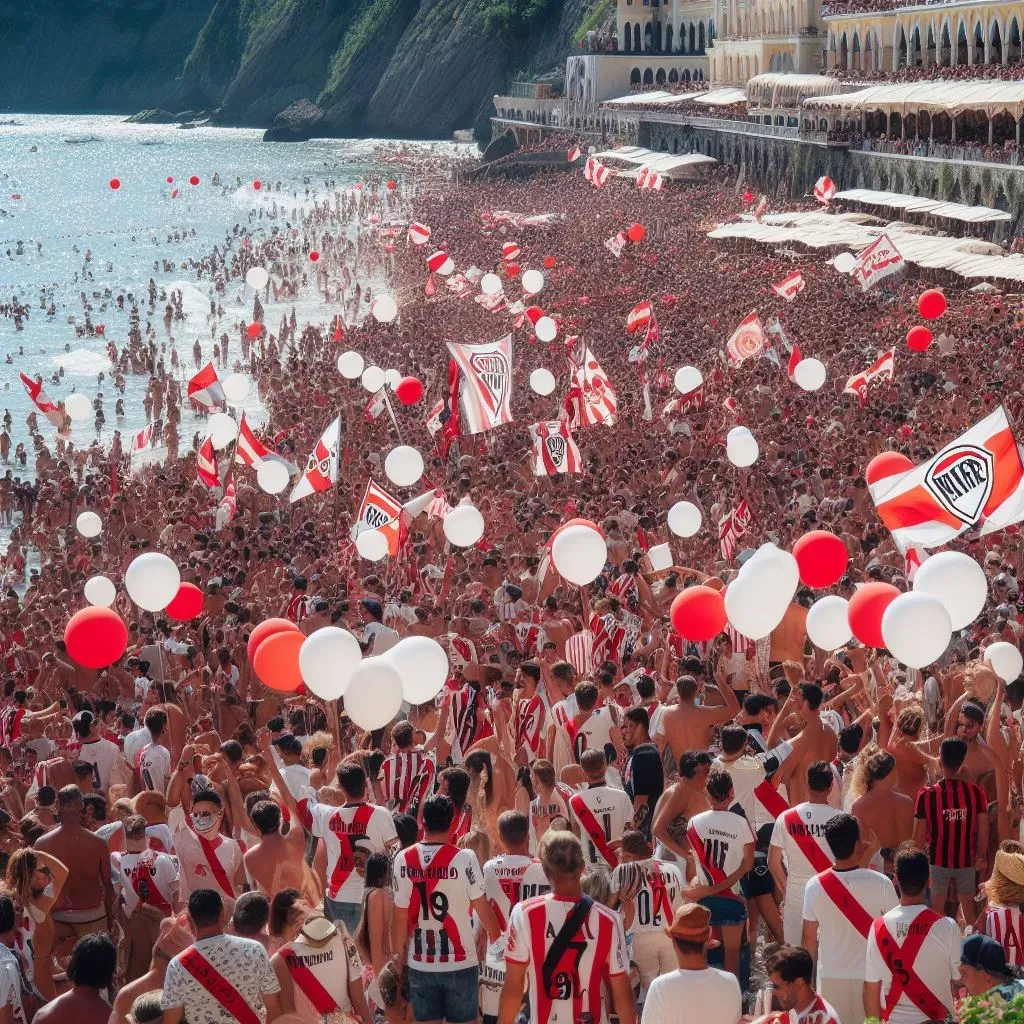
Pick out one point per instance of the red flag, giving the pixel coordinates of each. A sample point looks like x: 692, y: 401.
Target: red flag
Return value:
x: 204, y: 388
x: 639, y: 316
x: 206, y: 464
x: 250, y: 451
x: 794, y: 358
x: 788, y: 288
x: 824, y: 189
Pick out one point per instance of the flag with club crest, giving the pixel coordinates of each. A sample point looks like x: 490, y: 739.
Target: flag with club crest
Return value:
x: 322, y: 467
x: 554, y: 448
x: 616, y: 243
x: 882, y: 369
x: 733, y: 526
x: 380, y: 511
x: 747, y: 340
x: 876, y: 262
x: 484, y: 384
x: 591, y: 399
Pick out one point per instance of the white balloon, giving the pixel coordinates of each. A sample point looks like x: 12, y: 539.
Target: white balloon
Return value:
x: 1005, y: 659
x: 152, y: 581
x: 916, y: 629
x: 350, y: 365
x: 374, y: 694
x: 758, y: 598
x: 77, y: 406
x: 684, y: 519
x: 223, y: 429
x: 542, y: 380
x: 828, y: 623
x: 546, y: 329
x: 99, y: 591
x: 533, y: 281
x: 579, y: 553
x: 490, y: 284
x: 464, y: 526
x: 809, y: 374
x: 89, y: 524
x: 392, y: 378
x: 373, y: 378
x: 403, y: 465
x: 423, y: 666
x: 845, y: 262
x: 958, y: 581
x: 688, y: 378
x: 372, y: 545
x: 256, y: 277
x: 328, y: 658
x: 384, y: 309
x: 272, y: 476
x: 741, y: 447
x: 236, y: 388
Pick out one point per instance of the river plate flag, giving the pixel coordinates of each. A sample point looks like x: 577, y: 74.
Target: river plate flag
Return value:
x: 380, y: 511
x: 554, y: 449
x: 322, y: 468
x: 975, y: 482
x: 204, y: 388
x: 485, y: 384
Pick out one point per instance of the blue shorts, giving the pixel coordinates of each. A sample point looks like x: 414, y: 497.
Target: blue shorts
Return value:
x: 725, y: 909
x: 453, y: 996
x: 347, y: 913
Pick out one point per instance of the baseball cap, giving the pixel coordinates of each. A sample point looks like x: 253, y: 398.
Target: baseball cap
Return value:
x: 288, y: 743
x: 984, y: 954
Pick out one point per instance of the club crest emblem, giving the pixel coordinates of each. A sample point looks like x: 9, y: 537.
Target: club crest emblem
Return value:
x: 960, y: 478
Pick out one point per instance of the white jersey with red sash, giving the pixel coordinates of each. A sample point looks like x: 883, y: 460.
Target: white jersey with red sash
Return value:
x: 406, y: 778
x: 915, y: 954
x: 216, y: 987
x: 655, y: 886
x: 469, y: 718
x: 148, y: 878
x: 597, y: 951
x: 207, y: 863
x: 603, y: 813
x: 461, y: 823
x: 528, y: 718
x: 320, y: 975
x: 718, y: 840
x: 350, y: 831
x: 529, y: 637
x: 435, y: 884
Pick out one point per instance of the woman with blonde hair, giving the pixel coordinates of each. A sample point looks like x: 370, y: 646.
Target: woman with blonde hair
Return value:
x: 886, y: 816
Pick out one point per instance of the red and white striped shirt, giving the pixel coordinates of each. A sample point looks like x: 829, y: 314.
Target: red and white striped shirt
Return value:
x: 1005, y: 926
x: 406, y: 777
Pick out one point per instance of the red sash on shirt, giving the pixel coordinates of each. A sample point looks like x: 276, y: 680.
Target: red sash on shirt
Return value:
x: 460, y: 826
x: 210, y: 853
x: 425, y: 889
x: 771, y: 799
x: 717, y: 875
x: 901, y: 959
x: 586, y: 818
x: 303, y: 976
x: 152, y: 895
x: 845, y: 902
x: 346, y: 863
x: 807, y: 843
x: 662, y: 904
x: 218, y: 986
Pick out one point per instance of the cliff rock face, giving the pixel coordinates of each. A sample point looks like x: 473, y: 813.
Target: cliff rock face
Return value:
x: 407, y: 68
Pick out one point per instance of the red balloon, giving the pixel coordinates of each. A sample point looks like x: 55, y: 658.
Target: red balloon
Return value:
x: 115, y: 183
x: 918, y: 338
x: 512, y: 269
x: 886, y: 464
x: 932, y: 304
x: 170, y: 180
x: 821, y: 557
x: 96, y: 637
x: 268, y: 627
x: 698, y: 614
x: 748, y: 197
x: 409, y: 390
x: 253, y: 330
x: 867, y: 606
x: 187, y: 603
x: 314, y: 256
x: 533, y: 314
x: 194, y: 180
x: 257, y: 185
x: 549, y: 262
x: 392, y: 185
x: 636, y: 233
x: 276, y: 662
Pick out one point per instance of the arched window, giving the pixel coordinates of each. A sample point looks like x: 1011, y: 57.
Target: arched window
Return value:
x: 627, y: 35
x: 700, y: 38
x: 961, y: 44
x: 673, y: 76
x: 686, y: 74
x: 634, y: 77
x: 693, y: 38
x: 995, y: 44
x: 978, y: 45
x: 668, y: 38
x: 659, y: 78
x: 636, y: 37
x: 648, y: 76
x: 1013, y: 41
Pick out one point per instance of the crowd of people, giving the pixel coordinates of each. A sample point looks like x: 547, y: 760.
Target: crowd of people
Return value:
x: 594, y: 818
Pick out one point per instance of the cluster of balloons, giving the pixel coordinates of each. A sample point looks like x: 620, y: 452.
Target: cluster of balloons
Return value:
x: 931, y: 304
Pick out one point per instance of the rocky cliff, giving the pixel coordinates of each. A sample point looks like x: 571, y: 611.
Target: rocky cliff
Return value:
x: 406, y: 68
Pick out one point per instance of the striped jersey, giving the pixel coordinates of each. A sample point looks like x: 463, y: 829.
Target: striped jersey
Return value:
x: 1005, y: 926
x: 951, y: 809
x: 528, y: 720
x: 406, y: 778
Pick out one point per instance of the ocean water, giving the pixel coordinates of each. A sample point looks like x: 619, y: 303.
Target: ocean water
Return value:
x: 65, y: 206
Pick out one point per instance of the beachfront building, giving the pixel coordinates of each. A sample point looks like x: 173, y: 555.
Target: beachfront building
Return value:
x: 665, y: 27
x: 864, y: 37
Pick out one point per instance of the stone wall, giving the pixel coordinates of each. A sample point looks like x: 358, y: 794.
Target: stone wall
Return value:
x: 788, y: 168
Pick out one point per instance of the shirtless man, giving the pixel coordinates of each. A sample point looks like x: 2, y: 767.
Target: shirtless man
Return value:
x: 86, y: 901
x: 815, y: 742
x: 277, y: 861
x: 681, y: 801
x: 686, y: 726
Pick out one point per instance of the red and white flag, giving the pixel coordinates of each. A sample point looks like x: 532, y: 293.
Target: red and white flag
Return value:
x: 510, y: 252
x: 914, y: 558
x: 877, y: 262
x: 380, y: 511
x: 148, y: 437
x: 434, y: 421
x: 824, y: 189
x: 747, y: 340
x: 376, y: 405
x: 731, y: 527
x: 794, y: 359
x: 729, y: 403
x: 616, y: 243
x: 573, y: 155
x: 440, y: 263
x: 492, y: 303
x: 882, y: 369
x: 591, y: 399
x: 206, y: 464
x: 228, y: 505
x: 419, y: 234
x: 250, y: 451
x: 595, y: 172
x: 485, y: 384
x: 639, y: 316
x: 322, y: 468
x: 554, y: 449
x: 789, y: 288
x: 975, y: 482
x: 204, y: 388
x: 682, y: 404
x: 759, y: 210
x: 41, y: 400
x: 649, y: 178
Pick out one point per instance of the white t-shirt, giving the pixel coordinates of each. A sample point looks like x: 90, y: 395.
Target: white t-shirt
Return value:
x: 657, y: 885
x: 384, y: 638
x: 155, y: 767
x: 611, y: 809
x: 133, y: 744
x: 840, y: 945
x: 440, y: 926
x: 710, y: 996
x: 936, y: 964
x: 147, y: 877
x: 296, y: 778
x: 196, y: 868
x: 10, y: 984
x: 350, y: 831
x: 722, y: 837
x: 243, y: 962
x: 102, y: 755
x: 809, y: 820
